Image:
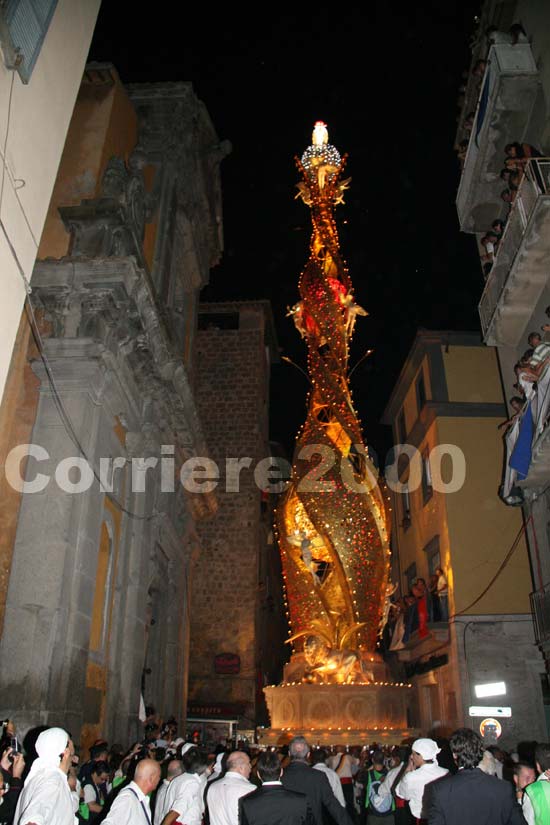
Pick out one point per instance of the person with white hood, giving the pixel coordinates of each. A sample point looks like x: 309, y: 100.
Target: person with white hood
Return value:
x: 46, y: 797
x: 420, y: 771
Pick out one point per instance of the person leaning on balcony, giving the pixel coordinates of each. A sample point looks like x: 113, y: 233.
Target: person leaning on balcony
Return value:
x: 461, y: 151
x: 521, y: 151
x: 512, y: 173
x: 479, y: 68
x: 469, y: 122
x: 490, y: 243
x: 442, y: 594
x: 498, y: 227
x: 508, y: 196
x: 516, y: 404
x: 534, y: 339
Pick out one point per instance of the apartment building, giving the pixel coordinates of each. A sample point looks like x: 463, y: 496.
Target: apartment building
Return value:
x: 446, y: 407
x: 507, y: 101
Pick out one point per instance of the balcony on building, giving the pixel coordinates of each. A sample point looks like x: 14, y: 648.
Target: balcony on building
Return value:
x: 506, y: 102
x: 519, y: 273
x: 418, y: 646
x: 527, y: 441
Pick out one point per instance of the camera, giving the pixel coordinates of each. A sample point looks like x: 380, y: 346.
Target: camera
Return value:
x: 14, y: 745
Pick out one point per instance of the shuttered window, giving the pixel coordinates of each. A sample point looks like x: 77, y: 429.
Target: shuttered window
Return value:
x: 25, y: 23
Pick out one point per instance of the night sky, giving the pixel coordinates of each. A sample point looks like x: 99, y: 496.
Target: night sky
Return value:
x: 386, y: 81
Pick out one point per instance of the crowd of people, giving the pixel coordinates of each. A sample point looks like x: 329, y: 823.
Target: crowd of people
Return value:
x: 163, y: 780
x: 530, y: 411
x: 517, y: 156
x: 528, y: 371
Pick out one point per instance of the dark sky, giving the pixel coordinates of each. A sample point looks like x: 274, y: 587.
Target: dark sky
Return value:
x: 386, y: 81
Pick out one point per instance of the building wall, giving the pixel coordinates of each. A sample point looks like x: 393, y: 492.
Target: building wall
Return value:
x: 104, y: 124
x: 410, y: 404
x: 39, y: 116
x: 428, y: 520
x: 96, y: 582
x: 482, y: 528
x: 472, y: 374
x: 232, y: 397
x: 495, y: 648
x: 475, y: 531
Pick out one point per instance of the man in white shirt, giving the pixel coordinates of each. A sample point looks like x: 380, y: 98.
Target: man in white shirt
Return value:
x: 175, y: 768
x: 421, y: 770
x: 184, y: 797
x: 346, y: 766
x: 222, y: 797
x: 131, y: 805
x: 46, y: 798
x: 319, y: 762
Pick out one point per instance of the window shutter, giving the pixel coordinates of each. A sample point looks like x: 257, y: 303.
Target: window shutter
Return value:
x: 27, y: 22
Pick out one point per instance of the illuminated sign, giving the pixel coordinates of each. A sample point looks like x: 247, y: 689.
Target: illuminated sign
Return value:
x: 480, y: 710
x: 227, y: 664
x: 490, y: 729
x: 490, y: 689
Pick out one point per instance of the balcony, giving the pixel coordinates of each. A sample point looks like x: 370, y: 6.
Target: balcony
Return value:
x: 527, y: 463
x: 506, y: 101
x: 520, y: 270
x: 540, y: 608
x: 418, y: 646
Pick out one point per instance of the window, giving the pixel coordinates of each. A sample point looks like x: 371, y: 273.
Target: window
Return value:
x: 420, y: 391
x: 23, y: 27
x: 406, y: 501
x: 402, y: 428
x: 427, y: 489
x: 433, y: 555
x: 410, y: 576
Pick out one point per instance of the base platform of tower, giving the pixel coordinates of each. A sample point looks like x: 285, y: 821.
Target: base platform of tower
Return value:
x: 356, y: 713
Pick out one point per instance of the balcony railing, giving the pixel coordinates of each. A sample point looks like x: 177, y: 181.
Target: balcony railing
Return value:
x: 518, y: 271
x: 540, y: 608
x: 507, y: 97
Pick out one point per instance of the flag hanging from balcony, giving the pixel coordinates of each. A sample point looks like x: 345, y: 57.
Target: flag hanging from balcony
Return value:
x: 520, y: 459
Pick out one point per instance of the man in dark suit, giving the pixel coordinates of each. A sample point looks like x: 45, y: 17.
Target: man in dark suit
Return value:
x: 300, y: 776
x: 471, y: 796
x: 271, y: 804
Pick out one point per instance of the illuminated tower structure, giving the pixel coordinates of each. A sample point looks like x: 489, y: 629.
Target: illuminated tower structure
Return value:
x: 331, y: 523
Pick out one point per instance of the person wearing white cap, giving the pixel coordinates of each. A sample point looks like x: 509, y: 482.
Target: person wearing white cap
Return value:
x: 421, y: 770
x: 46, y: 798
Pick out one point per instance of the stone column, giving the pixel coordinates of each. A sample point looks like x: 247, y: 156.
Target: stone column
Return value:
x: 44, y: 646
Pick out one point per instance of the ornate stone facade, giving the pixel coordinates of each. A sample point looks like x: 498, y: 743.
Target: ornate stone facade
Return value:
x: 97, y: 609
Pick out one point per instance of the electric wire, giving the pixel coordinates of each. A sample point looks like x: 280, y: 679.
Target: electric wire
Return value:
x: 501, y: 567
x: 65, y: 418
